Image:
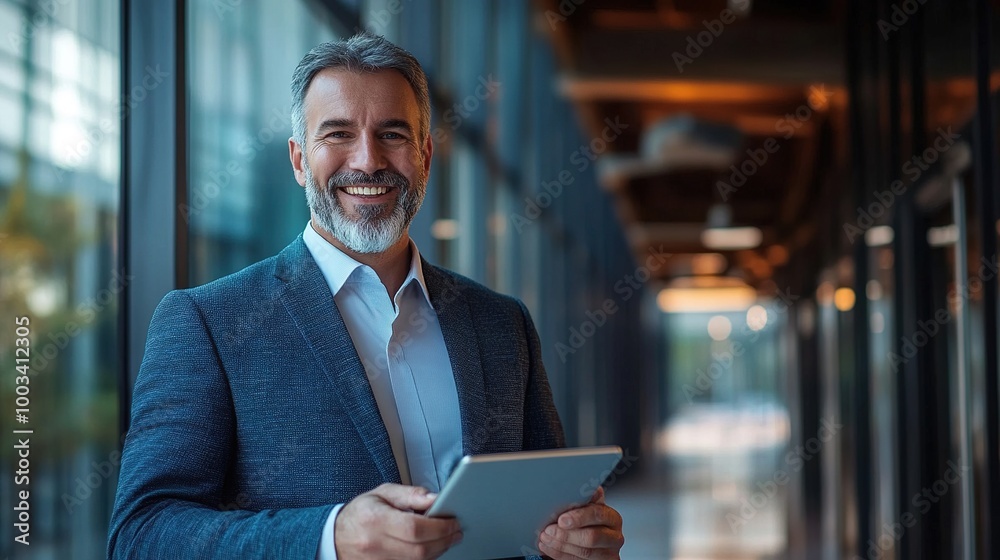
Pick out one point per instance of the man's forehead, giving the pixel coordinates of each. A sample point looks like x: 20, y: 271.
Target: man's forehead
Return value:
x: 343, y: 91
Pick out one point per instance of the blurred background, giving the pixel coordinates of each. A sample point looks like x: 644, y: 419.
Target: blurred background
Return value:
x: 758, y: 239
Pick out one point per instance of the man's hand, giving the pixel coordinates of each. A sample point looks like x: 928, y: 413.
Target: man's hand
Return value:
x: 593, y: 531
x: 382, y: 524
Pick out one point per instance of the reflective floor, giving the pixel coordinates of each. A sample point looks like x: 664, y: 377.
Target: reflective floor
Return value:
x: 701, y: 500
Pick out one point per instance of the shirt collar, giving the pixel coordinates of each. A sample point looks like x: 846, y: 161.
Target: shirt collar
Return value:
x: 337, y: 267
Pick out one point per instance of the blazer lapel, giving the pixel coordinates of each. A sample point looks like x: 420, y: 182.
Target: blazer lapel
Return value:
x: 459, y: 333
x: 308, y: 300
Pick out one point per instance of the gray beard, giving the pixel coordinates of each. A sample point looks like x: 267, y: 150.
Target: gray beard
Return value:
x: 371, y: 231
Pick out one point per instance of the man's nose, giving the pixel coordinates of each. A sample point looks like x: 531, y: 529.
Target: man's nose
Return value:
x: 367, y: 155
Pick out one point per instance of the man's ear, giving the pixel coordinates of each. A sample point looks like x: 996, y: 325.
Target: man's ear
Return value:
x: 428, y: 152
x: 295, y: 155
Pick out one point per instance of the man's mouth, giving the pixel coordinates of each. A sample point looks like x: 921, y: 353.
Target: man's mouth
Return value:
x: 366, y: 191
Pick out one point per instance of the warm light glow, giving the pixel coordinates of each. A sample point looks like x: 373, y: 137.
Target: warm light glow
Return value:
x: 879, y: 236
x: 818, y: 97
x: 756, y: 317
x: 843, y: 298
x: 731, y: 239
x: 708, y: 263
x: 719, y: 328
x: 777, y: 255
x: 705, y: 300
x: 942, y: 236
x: 445, y: 228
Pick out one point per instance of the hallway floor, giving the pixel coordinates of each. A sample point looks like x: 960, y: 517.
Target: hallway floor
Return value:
x: 692, y: 524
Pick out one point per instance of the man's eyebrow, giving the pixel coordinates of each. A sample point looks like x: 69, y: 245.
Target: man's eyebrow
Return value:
x: 334, y: 123
x: 396, y: 123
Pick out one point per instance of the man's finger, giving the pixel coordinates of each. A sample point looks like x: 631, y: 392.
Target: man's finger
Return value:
x: 416, y: 528
x: 405, y: 497
x: 565, y: 551
x: 589, y: 516
x: 396, y: 548
x: 587, y: 537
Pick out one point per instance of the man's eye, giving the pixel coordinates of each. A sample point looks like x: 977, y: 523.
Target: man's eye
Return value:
x: 337, y: 134
x: 393, y: 136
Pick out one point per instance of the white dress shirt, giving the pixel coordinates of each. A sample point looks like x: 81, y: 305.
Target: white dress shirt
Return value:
x: 402, y: 349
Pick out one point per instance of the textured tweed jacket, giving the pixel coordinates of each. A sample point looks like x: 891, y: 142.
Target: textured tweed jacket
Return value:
x: 252, y: 413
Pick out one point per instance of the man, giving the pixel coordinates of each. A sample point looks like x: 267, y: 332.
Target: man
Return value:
x: 311, y: 405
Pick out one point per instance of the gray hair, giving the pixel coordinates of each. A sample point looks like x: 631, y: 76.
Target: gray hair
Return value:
x: 364, y: 52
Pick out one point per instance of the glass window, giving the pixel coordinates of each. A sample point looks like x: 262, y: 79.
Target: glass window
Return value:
x: 244, y: 203
x: 59, y: 161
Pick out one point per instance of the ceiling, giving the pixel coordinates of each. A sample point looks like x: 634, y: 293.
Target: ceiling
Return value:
x: 712, y: 92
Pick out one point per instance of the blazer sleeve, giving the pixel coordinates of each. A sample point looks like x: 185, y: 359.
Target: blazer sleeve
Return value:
x: 178, y: 450
x: 542, y: 428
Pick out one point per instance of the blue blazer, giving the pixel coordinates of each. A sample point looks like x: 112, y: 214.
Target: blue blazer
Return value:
x: 252, y: 414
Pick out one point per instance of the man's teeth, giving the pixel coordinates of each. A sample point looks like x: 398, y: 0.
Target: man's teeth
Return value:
x: 370, y: 191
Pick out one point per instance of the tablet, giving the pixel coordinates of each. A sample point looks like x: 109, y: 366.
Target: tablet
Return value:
x: 503, y: 501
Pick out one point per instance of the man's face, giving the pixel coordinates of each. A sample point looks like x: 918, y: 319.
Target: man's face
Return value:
x: 363, y: 165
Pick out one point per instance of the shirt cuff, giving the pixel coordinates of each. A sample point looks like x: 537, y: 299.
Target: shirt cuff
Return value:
x: 327, y: 548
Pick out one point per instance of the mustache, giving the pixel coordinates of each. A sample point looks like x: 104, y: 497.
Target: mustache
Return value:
x: 380, y: 177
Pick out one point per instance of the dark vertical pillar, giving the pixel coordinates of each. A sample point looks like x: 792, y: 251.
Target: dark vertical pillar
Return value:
x: 153, y: 239
x: 985, y: 198
x: 863, y: 91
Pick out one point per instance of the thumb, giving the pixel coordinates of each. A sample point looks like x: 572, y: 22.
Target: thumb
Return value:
x: 598, y: 497
x: 406, y: 497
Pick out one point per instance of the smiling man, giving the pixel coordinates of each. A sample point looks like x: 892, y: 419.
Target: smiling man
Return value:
x: 310, y: 405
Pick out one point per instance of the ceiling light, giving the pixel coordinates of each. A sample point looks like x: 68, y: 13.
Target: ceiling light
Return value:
x: 879, y: 236
x: 706, y: 300
x: 942, y: 236
x: 731, y: 239
x: 843, y: 299
x: 756, y: 318
x: 719, y: 328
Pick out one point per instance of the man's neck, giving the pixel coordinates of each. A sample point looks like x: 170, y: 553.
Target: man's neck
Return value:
x: 391, y: 265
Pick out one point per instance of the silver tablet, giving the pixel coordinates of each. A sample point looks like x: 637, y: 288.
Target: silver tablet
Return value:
x: 504, y: 500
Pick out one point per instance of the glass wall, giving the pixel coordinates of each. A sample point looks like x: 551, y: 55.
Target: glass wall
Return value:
x: 243, y: 202
x: 60, y: 279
